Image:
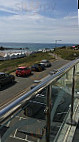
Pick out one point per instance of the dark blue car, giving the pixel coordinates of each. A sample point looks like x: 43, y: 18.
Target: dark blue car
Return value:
x: 36, y: 67
x: 42, y: 66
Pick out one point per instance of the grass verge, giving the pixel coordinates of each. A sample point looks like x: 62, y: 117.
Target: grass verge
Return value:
x: 67, y: 54
x: 11, y: 65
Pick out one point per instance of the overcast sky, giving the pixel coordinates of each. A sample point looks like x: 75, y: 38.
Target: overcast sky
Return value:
x: 42, y: 21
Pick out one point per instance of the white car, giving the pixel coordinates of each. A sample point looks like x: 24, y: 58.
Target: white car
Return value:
x: 54, y: 71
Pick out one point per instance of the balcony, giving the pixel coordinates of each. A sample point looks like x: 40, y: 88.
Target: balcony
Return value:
x: 49, y: 112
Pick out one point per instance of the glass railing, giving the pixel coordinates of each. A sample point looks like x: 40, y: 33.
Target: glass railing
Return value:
x: 62, y: 92
x: 40, y: 114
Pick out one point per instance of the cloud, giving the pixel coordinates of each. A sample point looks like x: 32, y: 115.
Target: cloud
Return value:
x: 23, y: 7
x: 37, y: 28
x: 46, y: 8
x: 30, y: 22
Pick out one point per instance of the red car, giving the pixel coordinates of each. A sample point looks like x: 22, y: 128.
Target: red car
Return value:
x: 23, y: 71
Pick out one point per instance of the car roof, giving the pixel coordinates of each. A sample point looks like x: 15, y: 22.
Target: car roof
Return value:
x: 41, y: 63
x: 35, y: 64
x: 22, y: 67
x: 44, y: 60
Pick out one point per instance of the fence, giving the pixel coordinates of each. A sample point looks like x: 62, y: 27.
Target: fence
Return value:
x: 40, y: 114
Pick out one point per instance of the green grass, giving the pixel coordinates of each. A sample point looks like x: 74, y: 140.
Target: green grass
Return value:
x: 11, y: 65
x: 67, y: 54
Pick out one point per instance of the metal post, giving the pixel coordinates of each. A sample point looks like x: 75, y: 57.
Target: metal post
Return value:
x: 72, y: 100
x: 55, y: 43
x: 48, y: 113
x: 71, y: 121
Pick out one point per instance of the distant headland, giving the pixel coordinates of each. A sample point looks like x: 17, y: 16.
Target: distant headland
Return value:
x: 6, y: 48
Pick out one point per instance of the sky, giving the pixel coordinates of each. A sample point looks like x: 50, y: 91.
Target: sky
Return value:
x: 39, y: 21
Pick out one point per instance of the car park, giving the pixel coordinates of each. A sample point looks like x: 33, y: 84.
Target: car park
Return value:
x: 37, y: 104
x: 23, y: 71
x: 46, y: 63
x: 6, y: 78
x: 36, y: 67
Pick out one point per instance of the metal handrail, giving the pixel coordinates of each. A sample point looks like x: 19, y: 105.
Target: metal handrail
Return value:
x: 38, y: 88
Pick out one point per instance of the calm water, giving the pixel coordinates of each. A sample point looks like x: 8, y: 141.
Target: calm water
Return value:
x: 33, y: 46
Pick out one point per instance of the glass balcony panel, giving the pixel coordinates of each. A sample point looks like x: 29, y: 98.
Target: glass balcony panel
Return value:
x: 77, y: 80
x: 29, y: 124
x: 60, y: 102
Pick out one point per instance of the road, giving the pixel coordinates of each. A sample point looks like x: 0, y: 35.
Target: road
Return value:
x: 23, y: 84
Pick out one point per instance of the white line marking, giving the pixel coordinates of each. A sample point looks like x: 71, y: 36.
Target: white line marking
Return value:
x: 21, y: 139
x: 15, y: 133
x: 26, y: 137
x: 8, y: 124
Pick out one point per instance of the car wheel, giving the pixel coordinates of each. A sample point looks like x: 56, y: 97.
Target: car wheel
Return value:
x: 30, y: 73
x: 0, y: 86
x: 12, y: 81
x: 37, y: 69
x: 26, y: 75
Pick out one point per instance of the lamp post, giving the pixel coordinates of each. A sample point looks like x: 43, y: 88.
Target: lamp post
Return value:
x: 56, y: 42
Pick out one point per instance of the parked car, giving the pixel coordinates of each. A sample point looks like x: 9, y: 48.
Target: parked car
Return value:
x: 54, y: 71
x: 36, y: 67
x: 42, y: 66
x: 6, y: 78
x: 23, y: 71
x: 36, y: 106
x: 46, y: 63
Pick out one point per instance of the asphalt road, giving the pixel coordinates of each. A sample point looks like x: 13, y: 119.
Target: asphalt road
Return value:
x: 23, y: 84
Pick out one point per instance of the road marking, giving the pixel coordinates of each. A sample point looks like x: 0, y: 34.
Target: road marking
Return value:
x: 16, y: 129
x: 18, y: 138
x: 15, y: 133
x: 20, y: 117
x: 26, y: 138
x: 8, y: 124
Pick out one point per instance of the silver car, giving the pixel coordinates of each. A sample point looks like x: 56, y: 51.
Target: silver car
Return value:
x: 46, y: 63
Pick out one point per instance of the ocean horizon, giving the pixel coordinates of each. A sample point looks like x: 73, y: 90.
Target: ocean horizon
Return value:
x: 33, y: 46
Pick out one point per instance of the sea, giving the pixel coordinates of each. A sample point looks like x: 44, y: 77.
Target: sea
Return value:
x: 32, y: 46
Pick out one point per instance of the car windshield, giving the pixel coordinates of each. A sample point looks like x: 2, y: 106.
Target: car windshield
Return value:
x: 26, y: 68
x: 2, y: 75
x: 19, y: 69
x: 35, y: 65
x: 6, y: 74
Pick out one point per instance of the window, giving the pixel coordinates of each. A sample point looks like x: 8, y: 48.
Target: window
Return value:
x: 2, y: 75
x: 19, y: 69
